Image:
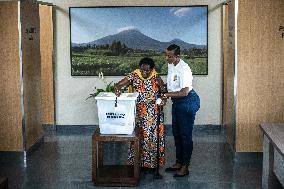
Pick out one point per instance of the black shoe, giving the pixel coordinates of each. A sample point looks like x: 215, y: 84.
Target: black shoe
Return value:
x: 147, y: 170
x: 151, y: 170
x: 171, y: 169
x: 177, y: 175
x: 143, y: 169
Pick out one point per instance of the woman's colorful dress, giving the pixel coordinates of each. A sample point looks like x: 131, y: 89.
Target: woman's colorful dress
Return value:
x: 147, y: 114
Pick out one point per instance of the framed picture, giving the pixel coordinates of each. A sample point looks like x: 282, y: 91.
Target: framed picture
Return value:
x: 112, y: 40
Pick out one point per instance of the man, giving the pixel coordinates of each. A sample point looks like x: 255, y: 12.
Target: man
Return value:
x: 185, y: 105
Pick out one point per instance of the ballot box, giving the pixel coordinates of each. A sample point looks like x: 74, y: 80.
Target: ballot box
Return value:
x: 116, y: 114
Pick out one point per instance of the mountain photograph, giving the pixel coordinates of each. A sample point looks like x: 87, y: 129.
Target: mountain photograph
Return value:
x: 116, y: 47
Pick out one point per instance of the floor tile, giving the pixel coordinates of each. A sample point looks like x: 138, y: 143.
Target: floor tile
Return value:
x: 64, y: 161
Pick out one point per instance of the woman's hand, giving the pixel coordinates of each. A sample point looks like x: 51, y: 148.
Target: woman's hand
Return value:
x: 117, y: 91
x: 119, y: 85
x: 164, y: 96
x: 162, y: 100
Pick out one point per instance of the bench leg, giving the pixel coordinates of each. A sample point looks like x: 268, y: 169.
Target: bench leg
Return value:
x: 269, y: 180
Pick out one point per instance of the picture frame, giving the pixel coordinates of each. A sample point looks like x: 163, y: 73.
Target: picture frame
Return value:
x: 112, y: 40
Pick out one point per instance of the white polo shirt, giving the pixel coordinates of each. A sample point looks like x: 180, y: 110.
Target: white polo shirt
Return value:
x: 179, y: 76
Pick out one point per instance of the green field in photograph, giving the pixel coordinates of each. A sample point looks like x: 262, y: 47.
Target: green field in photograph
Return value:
x: 92, y: 62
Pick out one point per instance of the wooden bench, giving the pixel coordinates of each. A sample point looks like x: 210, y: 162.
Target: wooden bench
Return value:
x: 273, y: 155
x: 3, y: 183
x: 114, y: 175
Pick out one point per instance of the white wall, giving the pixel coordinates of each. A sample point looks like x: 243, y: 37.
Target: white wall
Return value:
x: 71, y: 107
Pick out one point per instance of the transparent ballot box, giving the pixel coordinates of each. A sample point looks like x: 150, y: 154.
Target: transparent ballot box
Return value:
x: 116, y: 114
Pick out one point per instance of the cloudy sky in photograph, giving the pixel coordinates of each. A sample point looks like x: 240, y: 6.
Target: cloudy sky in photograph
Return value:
x: 161, y: 23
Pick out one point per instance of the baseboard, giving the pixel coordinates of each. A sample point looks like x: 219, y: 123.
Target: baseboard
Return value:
x: 248, y: 157
x: 245, y: 157
x: 6, y: 157
x: 49, y: 127
x: 85, y: 129
x: 19, y: 156
x: 35, y: 146
x: 76, y: 129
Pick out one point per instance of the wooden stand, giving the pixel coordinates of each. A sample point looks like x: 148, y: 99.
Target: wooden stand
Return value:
x: 114, y: 175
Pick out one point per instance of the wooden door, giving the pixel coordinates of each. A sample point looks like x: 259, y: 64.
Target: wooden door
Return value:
x: 47, y: 64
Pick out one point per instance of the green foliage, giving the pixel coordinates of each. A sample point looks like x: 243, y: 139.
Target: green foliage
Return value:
x: 109, y: 88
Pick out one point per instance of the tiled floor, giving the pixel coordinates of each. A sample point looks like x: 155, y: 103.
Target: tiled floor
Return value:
x: 64, y: 161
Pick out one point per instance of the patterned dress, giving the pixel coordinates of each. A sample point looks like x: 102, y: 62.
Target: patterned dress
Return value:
x: 147, y: 114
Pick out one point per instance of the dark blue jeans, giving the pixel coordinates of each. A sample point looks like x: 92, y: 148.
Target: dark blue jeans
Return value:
x: 183, y: 115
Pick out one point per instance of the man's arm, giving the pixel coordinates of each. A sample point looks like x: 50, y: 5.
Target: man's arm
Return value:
x: 178, y: 94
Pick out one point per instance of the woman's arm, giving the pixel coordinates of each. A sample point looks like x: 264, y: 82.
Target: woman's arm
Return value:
x: 119, y: 85
x: 162, y: 85
x: 163, y: 90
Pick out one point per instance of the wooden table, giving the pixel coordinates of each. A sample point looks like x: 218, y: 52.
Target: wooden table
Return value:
x: 273, y: 155
x: 114, y: 175
x: 3, y: 183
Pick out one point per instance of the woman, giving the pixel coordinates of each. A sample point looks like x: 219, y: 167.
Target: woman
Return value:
x: 185, y: 104
x: 148, y: 84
